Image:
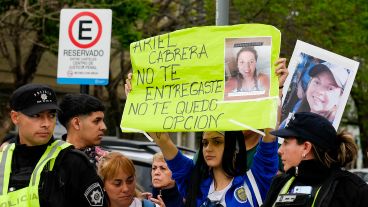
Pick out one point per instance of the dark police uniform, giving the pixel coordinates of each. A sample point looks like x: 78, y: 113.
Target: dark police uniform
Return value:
x: 52, y: 174
x: 328, y: 187
x: 72, y: 181
x: 90, y: 152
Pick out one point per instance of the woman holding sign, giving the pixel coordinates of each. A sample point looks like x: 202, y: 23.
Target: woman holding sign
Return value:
x: 220, y: 177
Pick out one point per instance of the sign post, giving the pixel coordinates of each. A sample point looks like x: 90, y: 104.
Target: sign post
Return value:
x: 84, y: 47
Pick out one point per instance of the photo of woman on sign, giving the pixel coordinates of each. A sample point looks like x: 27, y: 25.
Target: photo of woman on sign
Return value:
x: 324, y: 90
x: 318, y: 88
x: 246, y: 75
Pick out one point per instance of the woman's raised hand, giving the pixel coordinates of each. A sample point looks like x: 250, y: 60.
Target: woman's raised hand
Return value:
x: 281, y: 71
x: 167, y: 146
x: 128, y: 84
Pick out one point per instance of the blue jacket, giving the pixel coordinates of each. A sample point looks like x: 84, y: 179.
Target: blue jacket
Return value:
x: 264, y: 168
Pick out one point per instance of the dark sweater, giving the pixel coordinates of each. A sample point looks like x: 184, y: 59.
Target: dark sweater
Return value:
x: 171, y: 196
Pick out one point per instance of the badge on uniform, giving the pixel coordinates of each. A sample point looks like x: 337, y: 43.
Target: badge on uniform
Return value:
x: 302, y: 189
x: 94, y: 195
x: 240, y: 195
x: 293, y: 200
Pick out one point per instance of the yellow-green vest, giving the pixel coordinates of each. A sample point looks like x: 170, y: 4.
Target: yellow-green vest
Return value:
x: 286, y: 187
x: 27, y: 196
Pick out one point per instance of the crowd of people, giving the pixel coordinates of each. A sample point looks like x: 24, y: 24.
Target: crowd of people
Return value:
x: 232, y: 168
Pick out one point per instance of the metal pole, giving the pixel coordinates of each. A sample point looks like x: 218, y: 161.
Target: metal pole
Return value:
x: 191, y: 138
x: 179, y: 137
x: 84, y: 89
x: 222, y: 18
x: 222, y: 12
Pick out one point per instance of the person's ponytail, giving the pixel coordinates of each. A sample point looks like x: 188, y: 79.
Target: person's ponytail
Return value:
x: 347, y: 152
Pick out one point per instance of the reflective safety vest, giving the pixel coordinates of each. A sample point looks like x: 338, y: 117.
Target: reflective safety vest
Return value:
x: 286, y: 187
x: 27, y: 196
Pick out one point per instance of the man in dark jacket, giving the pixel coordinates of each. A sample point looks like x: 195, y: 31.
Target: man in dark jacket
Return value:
x: 83, y: 117
x: 37, y: 169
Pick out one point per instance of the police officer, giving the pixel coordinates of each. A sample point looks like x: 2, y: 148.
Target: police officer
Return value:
x: 314, y: 157
x: 38, y: 170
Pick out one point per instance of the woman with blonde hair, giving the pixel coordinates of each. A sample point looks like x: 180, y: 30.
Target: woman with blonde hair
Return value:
x: 118, y: 175
x: 163, y: 184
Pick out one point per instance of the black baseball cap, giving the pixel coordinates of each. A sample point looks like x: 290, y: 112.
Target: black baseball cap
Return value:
x: 31, y: 99
x: 310, y: 127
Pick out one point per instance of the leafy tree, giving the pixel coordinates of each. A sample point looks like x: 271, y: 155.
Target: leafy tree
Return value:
x: 164, y: 16
x: 28, y: 28
x: 23, y: 25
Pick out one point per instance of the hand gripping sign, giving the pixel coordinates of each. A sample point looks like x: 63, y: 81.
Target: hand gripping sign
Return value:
x: 204, y: 78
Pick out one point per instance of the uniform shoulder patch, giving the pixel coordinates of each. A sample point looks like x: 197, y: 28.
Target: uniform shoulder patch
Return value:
x: 94, y: 195
x: 240, y: 195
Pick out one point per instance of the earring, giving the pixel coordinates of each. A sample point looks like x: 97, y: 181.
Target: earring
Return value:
x: 304, y: 156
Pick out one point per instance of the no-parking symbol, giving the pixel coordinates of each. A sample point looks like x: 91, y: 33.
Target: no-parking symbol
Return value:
x: 84, y: 46
x: 81, y: 24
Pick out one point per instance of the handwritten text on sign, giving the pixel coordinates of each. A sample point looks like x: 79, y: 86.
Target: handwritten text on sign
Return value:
x: 178, y: 83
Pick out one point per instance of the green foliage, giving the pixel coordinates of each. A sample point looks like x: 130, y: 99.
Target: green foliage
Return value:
x: 210, y: 7
x: 126, y: 16
x: 51, y: 28
x: 248, y: 10
x: 44, y: 17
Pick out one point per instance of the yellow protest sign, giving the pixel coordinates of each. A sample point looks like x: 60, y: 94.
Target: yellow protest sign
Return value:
x: 204, y: 78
